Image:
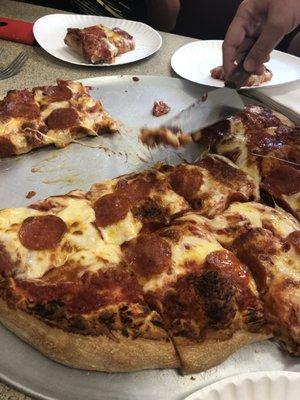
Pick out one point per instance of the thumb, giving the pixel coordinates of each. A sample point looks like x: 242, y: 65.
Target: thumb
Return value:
x: 260, y: 52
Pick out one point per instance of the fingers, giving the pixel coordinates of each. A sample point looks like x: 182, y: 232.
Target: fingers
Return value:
x: 233, y: 40
x: 267, y: 41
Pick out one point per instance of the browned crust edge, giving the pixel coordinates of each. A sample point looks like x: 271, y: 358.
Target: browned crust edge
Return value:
x: 198, y: 357
x: 99, y: 353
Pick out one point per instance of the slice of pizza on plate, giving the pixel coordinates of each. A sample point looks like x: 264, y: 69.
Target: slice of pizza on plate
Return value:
x: 98, y: 43
x: 253, y: 80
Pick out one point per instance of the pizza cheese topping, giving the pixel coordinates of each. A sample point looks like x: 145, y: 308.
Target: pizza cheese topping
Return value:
x: 294, y: 239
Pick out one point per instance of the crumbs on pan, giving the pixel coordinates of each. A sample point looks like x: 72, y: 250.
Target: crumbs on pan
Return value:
x: 135, y: 79
x: 204, y: 97
x: 30, y: 194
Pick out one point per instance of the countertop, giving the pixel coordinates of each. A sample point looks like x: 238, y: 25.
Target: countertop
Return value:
x: 41, y: 68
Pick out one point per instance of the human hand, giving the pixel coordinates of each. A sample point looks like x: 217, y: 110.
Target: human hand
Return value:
x: 258, y: 25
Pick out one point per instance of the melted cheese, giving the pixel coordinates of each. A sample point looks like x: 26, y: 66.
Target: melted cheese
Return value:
x: 90, y: 121
x: 122, y: 231
x: 80, y: 245
x: 190, y: 248
x: 293, y: 201
x: 12, y: 125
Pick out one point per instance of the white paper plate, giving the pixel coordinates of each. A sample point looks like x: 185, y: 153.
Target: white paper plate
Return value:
x: 195, y: 60
x: 50, y: 30
x: 279, y: 385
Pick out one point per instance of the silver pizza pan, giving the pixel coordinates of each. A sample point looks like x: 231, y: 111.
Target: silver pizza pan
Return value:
x: 55, y: 171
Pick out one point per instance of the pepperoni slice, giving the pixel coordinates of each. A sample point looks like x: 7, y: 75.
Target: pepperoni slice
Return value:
x: 125, y: 34
x: 226, y: 261
x: 63, y: 118
x: 212, y: 135
x: 42, y: 232
x: 95, y: 46
x: 25, y: 110
x: 20, y: 103
x: 110, y: 209
x: 149, y: 255
x: 223, y: 172
x: 95, y: 30
x: 294, y: 239
x: 58, y: 93
x: 186, y: 181
x: 254, y: 248
x: 283, y: 180
x: 135, y: 190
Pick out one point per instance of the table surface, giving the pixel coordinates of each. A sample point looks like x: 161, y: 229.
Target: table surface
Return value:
x: 41, y: 68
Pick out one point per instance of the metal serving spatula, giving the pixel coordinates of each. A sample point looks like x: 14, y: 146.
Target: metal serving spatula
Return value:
x: 214, y: 106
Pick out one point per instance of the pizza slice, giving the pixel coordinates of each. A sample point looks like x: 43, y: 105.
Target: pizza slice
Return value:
x: 46, y: 115
x: 69, y: 294
x: 166, y: 136
x: 267, y: 240
x: 206, y: 297
x: 211, y: 184
x: 264, y: 144
x: 98, y: 43
x: 253, y: 80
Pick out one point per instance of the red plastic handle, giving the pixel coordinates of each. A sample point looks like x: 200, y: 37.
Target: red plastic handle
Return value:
x: 16, y: 30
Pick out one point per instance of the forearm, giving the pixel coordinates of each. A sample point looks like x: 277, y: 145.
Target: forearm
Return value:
x: 162, y: 14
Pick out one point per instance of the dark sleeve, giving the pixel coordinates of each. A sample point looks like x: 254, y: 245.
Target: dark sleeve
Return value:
x: 284, y: 44
x: 206, y: 19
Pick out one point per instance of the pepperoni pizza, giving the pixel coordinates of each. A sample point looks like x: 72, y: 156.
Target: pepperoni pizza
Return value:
x: 50, y: 115
x: 166, y: 136
x: 99, y: 44
x: 264, y: 144
x: 267, y: 240
x: 151, y: 270
x: 253, y: 80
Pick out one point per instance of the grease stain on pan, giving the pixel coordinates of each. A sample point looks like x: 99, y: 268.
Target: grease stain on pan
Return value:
x: 69, y: 179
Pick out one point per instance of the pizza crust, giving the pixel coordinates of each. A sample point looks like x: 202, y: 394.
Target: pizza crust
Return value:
x: 97, y: 353
x: 197, y: 357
